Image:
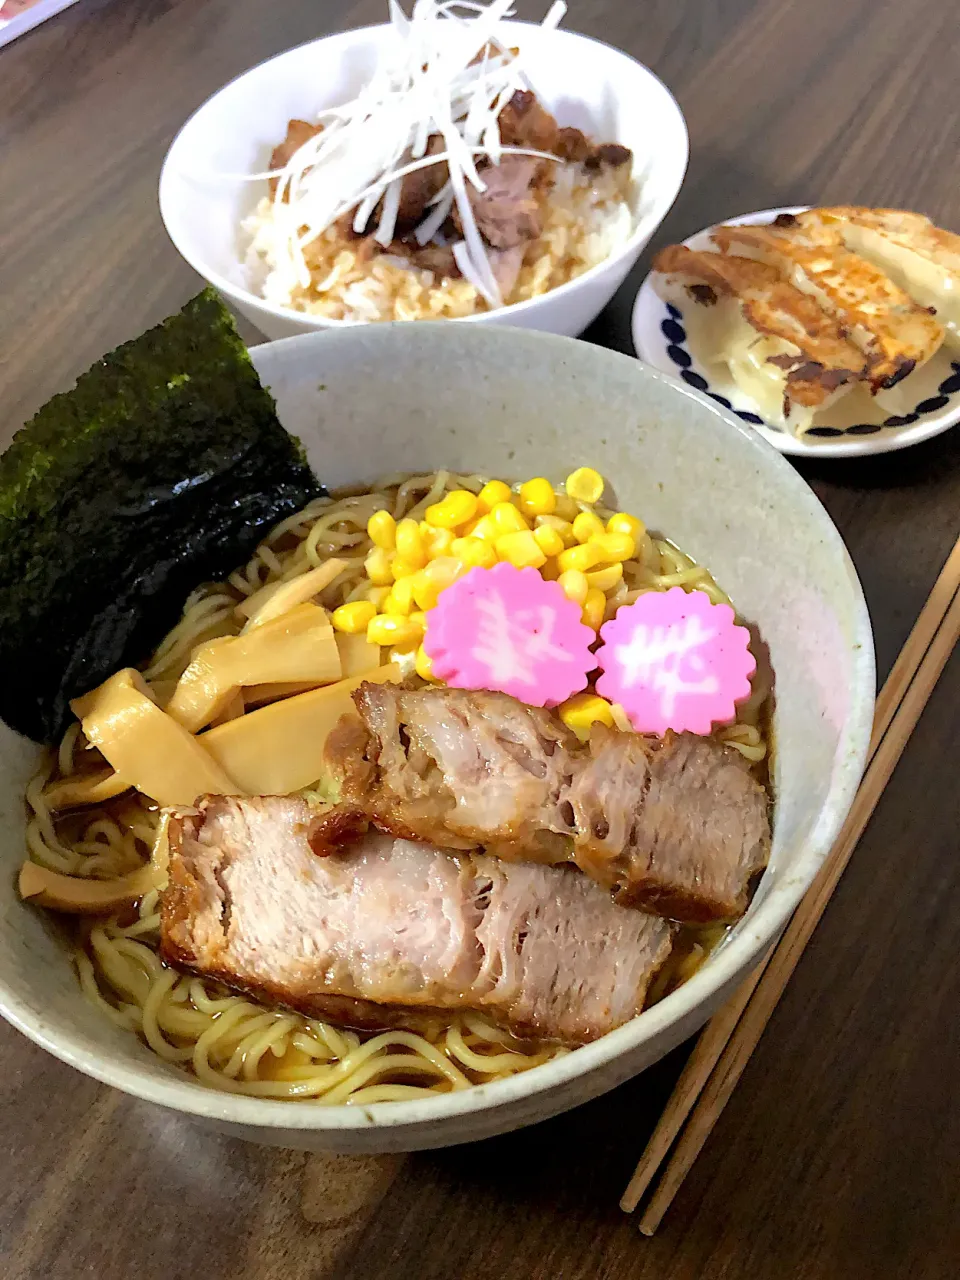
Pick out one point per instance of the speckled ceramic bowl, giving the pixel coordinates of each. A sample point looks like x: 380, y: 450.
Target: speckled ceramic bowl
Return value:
x: 371, y: 400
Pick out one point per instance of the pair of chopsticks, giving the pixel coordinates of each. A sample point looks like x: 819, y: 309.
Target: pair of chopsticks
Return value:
x: 728, y: 1040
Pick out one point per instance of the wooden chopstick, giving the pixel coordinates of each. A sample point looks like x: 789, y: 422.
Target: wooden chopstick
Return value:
x: 715, y: 1037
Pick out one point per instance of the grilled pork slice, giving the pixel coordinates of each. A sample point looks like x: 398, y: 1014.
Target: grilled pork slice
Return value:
x: 922, y: 258
x: 782, y: 350
x: 679, y: 829
x: 895, y: 333
x: 393, y: 931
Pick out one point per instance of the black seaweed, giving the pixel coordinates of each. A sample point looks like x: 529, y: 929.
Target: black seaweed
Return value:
x: 163, y: 468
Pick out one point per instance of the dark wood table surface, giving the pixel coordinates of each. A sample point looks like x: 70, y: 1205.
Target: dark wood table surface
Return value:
x: 839, y: 1155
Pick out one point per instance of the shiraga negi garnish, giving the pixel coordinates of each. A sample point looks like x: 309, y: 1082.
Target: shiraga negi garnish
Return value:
x: 161, y: 469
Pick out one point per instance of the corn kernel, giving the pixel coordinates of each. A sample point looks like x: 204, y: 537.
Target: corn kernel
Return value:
x: 620, y: 718
x: 402, y: 633
x: 582, y: 558
x: 563, y: 527
x: 615, y: 546
x: 585, y: 485
x: 419, y: 618
x: 403, y: 568
x: 550, y: 571
x: 575, y: 585
x: 437, y: 542
x: 520, y: 549
x: 376, y: 596
x: 424, y: 665
x: 410, y: 546
x: 548, y: 540
x: 536, y: 498
x: 507, y: 519
x: 584, y: 709
x: 382, y: 530
x: 606, y: 579
x: 587, y: 526
x: 379, y: 567
x: 400, y: 599
x: 457, y: 507
x: 436, y: 577
x: 593, y: 608
x: 621, y: 522
x: 484, y: 528
x: 493, y: 491
x: 353, y: 618
x: 474, y: 553
x: 566, y: 508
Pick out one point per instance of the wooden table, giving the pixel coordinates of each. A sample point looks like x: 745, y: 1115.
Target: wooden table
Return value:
x: 839, y: 1155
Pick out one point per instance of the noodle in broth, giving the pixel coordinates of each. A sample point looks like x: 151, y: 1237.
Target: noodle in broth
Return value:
x: 229, y: 1041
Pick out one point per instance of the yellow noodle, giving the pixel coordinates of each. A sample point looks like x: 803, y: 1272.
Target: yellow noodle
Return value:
x: 229, y: 1041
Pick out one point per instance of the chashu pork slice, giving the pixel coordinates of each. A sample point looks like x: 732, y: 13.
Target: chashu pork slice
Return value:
x: 392, y: 931
x: 781, y: 348
x: 921, y: 258
x: 679, y: 828
x: 895, y: 334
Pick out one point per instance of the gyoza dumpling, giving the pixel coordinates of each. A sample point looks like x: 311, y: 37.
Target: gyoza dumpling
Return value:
x: 895, y: 334
x: 782, y: 350
x: 918, y: 256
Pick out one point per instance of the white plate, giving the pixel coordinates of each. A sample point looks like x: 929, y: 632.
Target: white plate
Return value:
x: 660, y: 339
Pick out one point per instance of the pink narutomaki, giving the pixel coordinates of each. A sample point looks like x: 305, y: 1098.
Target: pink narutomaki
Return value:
x: 507, y: 629
x: 674, y: 660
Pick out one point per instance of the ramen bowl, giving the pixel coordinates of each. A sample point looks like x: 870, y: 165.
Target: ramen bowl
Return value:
x: 584, y: 82
x: 378, y: 399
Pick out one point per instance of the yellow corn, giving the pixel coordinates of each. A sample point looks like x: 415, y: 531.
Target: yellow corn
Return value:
x: 410, y: 546
x: 585, y: 485
x: 379, y: 567
x: 382, y: 530
x: 614, y: 546
x: 621, y: 522
x: 563, y: 527
x: 566, y: 508
x: 400, y: 599
x: 584, y: 709
x: 424, y: 665
x: 520, y: 549
x: 575, y: 585
x: 474, y: 553
x: 404, y: 568
x: 507, y: 519
x: 606, y: 578
x: 593, y: 608
x: 582, y: 558
x: 548, y: 540
x: 419, y: 618
x: 436, y: 577
x: 550, y: 571
x: 402, y: 633
x: 587, y: 526
x: 456, y: 508
x: 537, y: 498
x: 484, y: 528
x: 493, y: 491
x: 437, y: 542
x: 376, y: 595
x: 353, y: 618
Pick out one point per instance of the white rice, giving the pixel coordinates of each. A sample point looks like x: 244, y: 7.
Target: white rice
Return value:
x: 587, y: 217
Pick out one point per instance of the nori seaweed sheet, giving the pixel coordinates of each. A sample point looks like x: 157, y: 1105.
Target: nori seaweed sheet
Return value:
x: 162, y: 469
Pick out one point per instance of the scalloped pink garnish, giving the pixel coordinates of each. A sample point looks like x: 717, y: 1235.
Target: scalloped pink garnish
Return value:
x: 674, y: 660
x: 510, y: 630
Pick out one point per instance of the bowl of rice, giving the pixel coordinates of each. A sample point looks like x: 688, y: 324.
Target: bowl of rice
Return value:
x: 558, y: 157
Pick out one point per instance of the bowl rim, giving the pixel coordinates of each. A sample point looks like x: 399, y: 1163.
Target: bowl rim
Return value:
x: 735, y: 958
x: 644, y: 229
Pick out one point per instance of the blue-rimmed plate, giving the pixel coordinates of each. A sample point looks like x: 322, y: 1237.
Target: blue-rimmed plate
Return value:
x: 854, y: 427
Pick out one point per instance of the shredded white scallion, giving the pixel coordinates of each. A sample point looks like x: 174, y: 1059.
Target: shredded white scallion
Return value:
x: 448, y: 71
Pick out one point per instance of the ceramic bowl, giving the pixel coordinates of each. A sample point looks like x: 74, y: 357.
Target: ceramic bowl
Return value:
x: 584, y: 82
x: 371, y: 400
